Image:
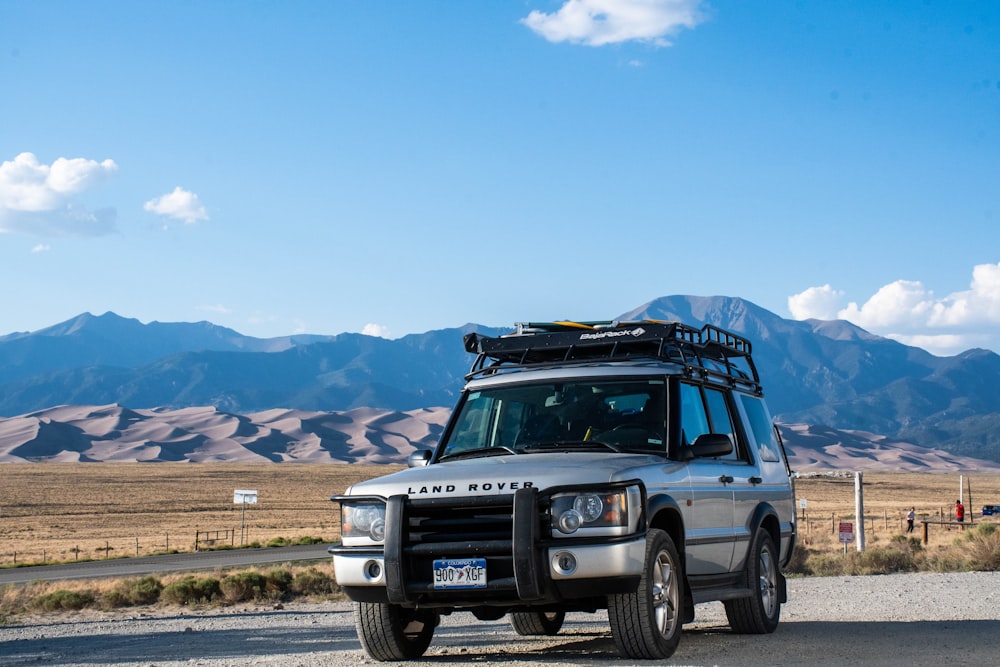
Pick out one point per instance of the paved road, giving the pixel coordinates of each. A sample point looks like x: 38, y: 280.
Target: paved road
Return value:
x: 131, y: 567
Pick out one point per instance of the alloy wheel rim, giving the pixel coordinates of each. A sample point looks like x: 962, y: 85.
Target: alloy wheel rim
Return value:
x: 767, y: 583
x: 664, y: 594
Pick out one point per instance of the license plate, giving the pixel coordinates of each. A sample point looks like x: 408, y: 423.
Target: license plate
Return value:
x: 460, y: 573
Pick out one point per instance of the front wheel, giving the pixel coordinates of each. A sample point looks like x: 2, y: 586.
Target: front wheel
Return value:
x: 537, y: 622
x: 389, y: 632
x: 759, y: 613
x: 647, y: 623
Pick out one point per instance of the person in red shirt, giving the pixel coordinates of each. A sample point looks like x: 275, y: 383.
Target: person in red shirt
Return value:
x: 959, y: 511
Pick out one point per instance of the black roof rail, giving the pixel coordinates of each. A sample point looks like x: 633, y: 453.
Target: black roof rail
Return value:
x: 709, y: 352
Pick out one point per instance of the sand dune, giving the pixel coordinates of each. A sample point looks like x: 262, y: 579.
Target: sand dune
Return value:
x: 823, y: 448
x: 364, y: 435
x: 118, y: 433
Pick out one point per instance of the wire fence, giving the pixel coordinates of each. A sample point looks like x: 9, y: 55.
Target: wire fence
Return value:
x: 100, y: 548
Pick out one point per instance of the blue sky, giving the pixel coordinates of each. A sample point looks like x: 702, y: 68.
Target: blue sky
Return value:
x: 397, y: 167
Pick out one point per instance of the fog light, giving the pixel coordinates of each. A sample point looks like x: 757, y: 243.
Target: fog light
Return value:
x: 373, y: 570
x: 564, y: 563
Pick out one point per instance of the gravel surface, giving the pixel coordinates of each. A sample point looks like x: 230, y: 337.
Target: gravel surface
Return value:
x: 907, y: 619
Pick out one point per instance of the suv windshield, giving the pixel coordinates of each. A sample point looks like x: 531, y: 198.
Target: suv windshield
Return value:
x: 625, y: 415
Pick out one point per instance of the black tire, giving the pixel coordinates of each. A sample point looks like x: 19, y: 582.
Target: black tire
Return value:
x: 537, y: 622
x: 759, y: 613
x: 646, y: 624
x: 390, y: 632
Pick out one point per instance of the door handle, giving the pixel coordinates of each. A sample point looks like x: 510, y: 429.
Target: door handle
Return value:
x: 725, y: 479
x: 756, y: 480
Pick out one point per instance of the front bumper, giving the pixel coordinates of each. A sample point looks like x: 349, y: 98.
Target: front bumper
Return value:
x: 522, y: 567
x: 596, y: 569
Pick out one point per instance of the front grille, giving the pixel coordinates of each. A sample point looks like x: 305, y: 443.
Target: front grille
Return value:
x: 448, y: 521
x: 501, y: 529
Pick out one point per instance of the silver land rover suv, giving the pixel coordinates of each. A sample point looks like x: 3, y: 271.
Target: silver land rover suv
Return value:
x: 631, y: 467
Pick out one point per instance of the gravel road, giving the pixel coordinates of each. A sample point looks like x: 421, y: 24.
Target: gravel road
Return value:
x: 907, y: 619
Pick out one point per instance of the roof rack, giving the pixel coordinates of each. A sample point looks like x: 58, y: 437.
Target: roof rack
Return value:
x: 710, y: 352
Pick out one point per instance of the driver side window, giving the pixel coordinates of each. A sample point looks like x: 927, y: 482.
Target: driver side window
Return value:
x: 722, y: 421
x: 706, y: 410
x: 694, y: 420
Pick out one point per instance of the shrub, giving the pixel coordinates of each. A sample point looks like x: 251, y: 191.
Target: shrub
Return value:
x: 286, y: 542
x: 986, y: 529
x: 63, y: 600
x: 827, y: 565
x: 983, y: 549
x: 278, y: 584
x: 190, y: 590
x: 799, y: 564
x: 243, y: 587
x: 945, y: 560
x: 278, y: 542
x: 882, y: 560
x: 314, y: 582
x: 145, y: 590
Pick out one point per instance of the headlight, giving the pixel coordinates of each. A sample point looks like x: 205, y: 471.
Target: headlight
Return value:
x: 362, y: 522
x: 595, y: 512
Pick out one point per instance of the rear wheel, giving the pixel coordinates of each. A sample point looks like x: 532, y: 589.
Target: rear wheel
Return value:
x: 537, y: 622
x: 759, y: 613
x: 647, y: 623
x: 390, y: 632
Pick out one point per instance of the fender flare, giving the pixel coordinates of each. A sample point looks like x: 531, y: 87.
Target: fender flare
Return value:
x: 656, y: 506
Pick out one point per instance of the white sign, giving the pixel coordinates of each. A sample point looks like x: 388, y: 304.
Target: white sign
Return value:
x: 802, y: 503
x: 245, y: 497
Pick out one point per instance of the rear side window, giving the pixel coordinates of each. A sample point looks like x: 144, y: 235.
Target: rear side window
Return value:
x: 763, y: 429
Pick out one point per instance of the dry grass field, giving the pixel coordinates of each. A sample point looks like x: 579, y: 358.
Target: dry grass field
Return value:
x: 61, y: 512
x: 48, y: 511
x: 887, y: 498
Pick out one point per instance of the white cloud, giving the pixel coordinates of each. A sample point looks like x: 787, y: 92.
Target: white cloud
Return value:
x: 600, y: 22
x: 905, y: 310
x: 900, y: 304
x: 819, y: 303
x: 42, y: 199
x: 179, y: 205
x: 376, y: 330
x: 41, y: 247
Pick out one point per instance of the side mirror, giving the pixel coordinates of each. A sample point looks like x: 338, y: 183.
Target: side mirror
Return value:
x: 419, y: 458
x: 708, y: 445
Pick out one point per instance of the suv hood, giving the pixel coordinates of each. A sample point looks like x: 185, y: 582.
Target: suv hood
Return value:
x: 500, y: 475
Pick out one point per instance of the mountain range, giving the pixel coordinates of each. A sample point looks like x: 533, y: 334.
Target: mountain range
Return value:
x: 830, y: 375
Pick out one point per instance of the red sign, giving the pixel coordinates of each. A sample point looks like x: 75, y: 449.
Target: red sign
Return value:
x: 846, y: 532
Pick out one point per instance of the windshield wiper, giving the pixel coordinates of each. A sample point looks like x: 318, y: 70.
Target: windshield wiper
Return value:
x: 569, y: 445
x: 475, y: 453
